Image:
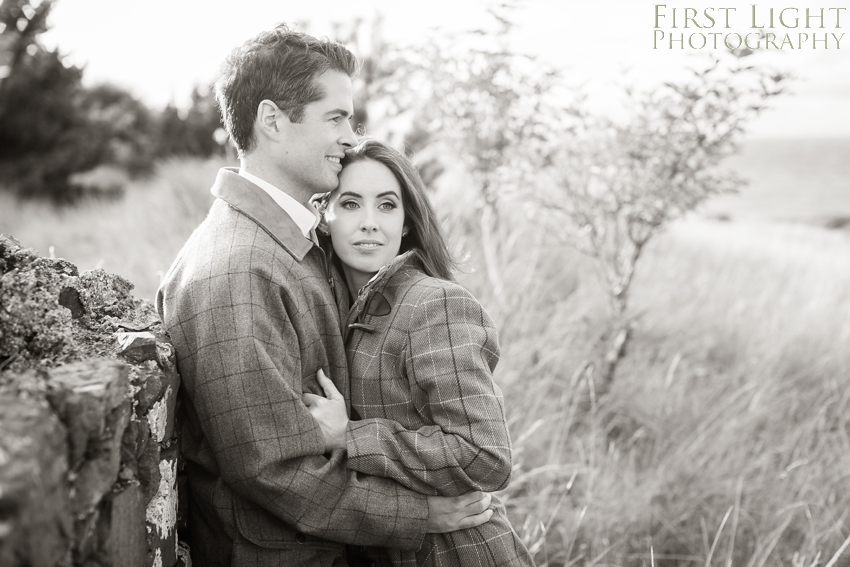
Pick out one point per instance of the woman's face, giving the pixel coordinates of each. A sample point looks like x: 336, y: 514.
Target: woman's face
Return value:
x: 365, y: 217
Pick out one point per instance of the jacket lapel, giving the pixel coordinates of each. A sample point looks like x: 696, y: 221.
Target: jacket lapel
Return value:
x: 255, y: 203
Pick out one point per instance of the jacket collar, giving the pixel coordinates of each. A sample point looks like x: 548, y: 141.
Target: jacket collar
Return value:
x: 409, y: 258
x: 370, y: 299
x: 256, y: 204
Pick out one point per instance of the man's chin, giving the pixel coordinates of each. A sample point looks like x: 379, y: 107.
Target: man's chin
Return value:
x: 332, y: 183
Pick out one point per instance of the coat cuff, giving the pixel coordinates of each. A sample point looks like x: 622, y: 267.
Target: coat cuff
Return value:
x: 358, y: 436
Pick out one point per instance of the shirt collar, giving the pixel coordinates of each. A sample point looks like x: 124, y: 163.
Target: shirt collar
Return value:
x: 305, y: 218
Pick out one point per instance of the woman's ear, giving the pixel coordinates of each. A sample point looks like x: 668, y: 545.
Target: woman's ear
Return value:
x: 405, y: 230
x: 319, y: 201
x: 323, y: 226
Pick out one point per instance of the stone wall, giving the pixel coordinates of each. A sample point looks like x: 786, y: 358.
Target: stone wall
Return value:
x: 88, y: 454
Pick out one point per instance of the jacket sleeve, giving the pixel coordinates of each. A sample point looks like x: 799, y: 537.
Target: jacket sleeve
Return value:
x: 234, y: 332
x: 450, y: 353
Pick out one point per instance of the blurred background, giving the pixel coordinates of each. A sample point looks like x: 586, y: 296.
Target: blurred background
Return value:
x: 663, y: 236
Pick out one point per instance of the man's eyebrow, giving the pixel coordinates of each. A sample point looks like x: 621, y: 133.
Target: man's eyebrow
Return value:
x: 338, y: 111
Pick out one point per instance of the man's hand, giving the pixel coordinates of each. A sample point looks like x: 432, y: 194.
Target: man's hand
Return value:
x: 329, y: 412
x: 451, y: 513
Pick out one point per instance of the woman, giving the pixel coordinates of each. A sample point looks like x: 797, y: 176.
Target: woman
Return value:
x: 421, y: 352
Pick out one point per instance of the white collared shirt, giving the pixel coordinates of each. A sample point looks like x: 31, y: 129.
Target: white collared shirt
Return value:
x: 305, y: 218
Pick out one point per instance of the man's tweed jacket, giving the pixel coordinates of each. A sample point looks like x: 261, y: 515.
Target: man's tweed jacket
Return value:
x: 421, y: 354
x: 248, y: 307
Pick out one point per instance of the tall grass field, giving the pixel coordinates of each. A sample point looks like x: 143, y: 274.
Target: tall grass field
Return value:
x: 725, y: 438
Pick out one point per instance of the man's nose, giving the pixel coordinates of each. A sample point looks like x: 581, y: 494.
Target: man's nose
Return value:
x: 348, y: 139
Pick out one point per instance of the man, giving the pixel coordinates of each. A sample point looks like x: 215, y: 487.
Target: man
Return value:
x: 250, y: 308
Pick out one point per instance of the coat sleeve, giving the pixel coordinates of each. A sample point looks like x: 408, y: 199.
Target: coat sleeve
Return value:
x: 235, y: 335
x: 450, y: 353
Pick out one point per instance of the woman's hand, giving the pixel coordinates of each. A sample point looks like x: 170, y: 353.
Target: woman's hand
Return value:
x: 329, y: 412
x: 450, y: 513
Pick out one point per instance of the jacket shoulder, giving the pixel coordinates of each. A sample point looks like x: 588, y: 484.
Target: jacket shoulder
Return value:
x: 415, y: 287
x: 228, y: 236
x: 227, y: 249
x: 422, y: 298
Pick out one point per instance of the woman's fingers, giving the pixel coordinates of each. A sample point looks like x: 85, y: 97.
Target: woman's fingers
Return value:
x: 329, y: 388
x: 478, y: 503
x: 331, y: 393
x: 477, y: 511
x: 309, y: 399
x: 450, y: 513
x: 476, y: 520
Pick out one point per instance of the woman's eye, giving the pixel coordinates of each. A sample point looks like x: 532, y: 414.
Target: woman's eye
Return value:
x: 388, y: 206
x: 349, y: 205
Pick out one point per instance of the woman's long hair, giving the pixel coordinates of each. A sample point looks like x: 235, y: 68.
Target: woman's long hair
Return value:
x: 424, y: 234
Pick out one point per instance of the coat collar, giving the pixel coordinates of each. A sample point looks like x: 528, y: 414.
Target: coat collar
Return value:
x: 409, y: 258
x: 370, y: 300
x: 256, y: 204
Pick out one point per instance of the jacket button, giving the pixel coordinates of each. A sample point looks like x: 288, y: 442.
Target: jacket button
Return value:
x: 300, y: 538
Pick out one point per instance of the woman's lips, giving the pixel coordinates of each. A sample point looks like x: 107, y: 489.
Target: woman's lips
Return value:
x: 367, y: 245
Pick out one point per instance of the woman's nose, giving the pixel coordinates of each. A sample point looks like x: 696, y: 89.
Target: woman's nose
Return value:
x: 368, y: 223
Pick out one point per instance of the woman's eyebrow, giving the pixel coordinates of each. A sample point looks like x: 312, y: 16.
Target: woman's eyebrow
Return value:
x: 350, y: 194
x: 385, y: 193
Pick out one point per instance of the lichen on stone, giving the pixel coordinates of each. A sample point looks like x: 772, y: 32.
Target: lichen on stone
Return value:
x: 106, y: 294
x: 51, y: 314
x: 33, y: 325
x: 162, y: 509
x: 80, y: 349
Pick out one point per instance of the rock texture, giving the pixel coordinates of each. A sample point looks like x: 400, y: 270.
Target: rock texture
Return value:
x: 88, y: 393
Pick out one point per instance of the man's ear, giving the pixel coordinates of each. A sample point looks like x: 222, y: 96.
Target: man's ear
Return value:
x: 269, y: 117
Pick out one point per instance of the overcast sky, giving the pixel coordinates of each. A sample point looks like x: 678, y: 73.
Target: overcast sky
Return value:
x: 160, y: 49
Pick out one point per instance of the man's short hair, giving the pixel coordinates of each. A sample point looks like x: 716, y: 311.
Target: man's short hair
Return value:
x: 281, y: 66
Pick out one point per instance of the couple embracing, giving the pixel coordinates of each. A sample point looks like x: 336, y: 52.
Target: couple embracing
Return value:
x: 337, y: 401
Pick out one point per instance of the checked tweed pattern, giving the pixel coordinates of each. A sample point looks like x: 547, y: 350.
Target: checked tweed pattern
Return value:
x: 252, y: 317
x: 431, y: 416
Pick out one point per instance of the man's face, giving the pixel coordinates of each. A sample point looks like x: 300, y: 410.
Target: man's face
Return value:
x: 312, y: 149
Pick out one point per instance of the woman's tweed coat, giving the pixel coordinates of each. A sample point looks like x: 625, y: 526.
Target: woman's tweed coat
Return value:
x: 248, y: 307
x: 425, y: 409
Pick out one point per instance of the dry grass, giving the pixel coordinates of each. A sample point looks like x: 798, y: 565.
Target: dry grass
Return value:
x: 725, y: 439
x: 136, y: 237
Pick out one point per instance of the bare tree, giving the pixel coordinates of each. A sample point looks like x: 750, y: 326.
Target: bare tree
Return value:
x: 380, y: 93
x: 619, y: 182
x: 484, y: 105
